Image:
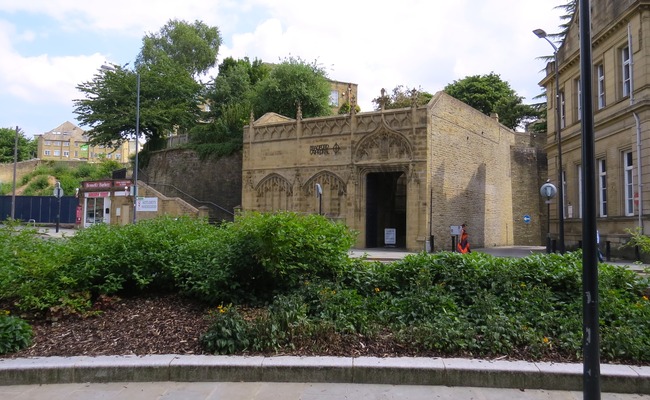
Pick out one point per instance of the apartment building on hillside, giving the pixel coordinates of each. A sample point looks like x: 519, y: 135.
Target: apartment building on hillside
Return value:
x: 69, y: 142
x: 620, y: 32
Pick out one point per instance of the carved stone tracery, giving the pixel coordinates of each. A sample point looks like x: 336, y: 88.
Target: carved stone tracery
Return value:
x: 274, y: 183
x: 383, y: 146
x: 326, y: 179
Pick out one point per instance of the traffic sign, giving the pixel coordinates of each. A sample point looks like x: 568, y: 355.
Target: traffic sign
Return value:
x: 548, y: 190
x: 527, y: 219
x: 58, y: 192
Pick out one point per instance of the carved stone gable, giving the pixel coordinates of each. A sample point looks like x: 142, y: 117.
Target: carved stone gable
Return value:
x: 383, y: 145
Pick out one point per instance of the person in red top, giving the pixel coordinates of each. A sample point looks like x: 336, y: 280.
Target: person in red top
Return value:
x: 463, y: 244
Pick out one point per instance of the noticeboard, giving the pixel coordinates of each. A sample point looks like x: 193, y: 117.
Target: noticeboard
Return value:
x: 390, y: 236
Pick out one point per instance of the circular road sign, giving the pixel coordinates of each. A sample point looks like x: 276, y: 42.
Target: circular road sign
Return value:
x: 58, y: 192
x: 548, y: 190
x: 527, y: 219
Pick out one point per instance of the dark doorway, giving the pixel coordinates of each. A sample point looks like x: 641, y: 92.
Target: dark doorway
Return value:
x: 385, y: 208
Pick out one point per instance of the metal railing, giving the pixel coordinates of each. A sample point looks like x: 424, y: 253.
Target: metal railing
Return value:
x: 186, y: 196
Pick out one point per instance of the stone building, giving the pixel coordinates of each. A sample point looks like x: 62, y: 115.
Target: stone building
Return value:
x: 400, y: 177
x: 620, y: 33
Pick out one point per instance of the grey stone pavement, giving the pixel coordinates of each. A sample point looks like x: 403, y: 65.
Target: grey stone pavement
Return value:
x: 320, y: 378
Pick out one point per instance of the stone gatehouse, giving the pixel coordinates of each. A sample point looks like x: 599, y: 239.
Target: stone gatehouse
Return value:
x: 399, y: 177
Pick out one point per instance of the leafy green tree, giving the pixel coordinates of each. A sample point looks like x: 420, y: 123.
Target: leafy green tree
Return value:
x: 290, y: 83
x: 169, y: 98
x: 170, y: 95
x: 402, y: 97
x: 228, y: 98
x: 192, y: 46
x: 489, y: 94
x: 26, y: 147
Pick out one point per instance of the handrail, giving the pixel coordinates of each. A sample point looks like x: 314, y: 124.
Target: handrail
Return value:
x: 192, y: 197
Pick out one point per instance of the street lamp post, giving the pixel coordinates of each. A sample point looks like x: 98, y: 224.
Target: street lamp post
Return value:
x: 548, y: 191
x: 137, y: 140
x: 560, y: 181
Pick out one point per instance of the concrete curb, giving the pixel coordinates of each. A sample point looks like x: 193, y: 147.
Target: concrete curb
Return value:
x: 396, y: 371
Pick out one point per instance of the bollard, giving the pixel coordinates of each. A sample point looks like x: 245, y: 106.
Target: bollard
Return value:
x: 608, y: 251
x: 453, y: 243
x: 431, y: 243
x: 579, y: 244
x: 553, y: 245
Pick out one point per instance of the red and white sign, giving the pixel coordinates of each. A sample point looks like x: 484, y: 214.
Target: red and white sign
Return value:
x: 98, y: 194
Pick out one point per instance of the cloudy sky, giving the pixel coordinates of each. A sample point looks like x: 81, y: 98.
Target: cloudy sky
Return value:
x: 47, y: 47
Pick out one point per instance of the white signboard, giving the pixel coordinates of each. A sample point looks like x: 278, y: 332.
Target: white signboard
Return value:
x: 147, y: 204
x: 389, y: 236
x: 455, y: 229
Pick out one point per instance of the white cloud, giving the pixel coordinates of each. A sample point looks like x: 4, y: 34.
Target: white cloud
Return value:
x: 44, y: 78
x: 411, y: 42
x: 375, y: 44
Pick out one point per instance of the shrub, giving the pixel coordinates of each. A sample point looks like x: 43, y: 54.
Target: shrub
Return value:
x: 137, y: 257
x: 15, y: 334
x: 274, y: 252
x: 30, y: 272
x: 228, y: 332
x: 36, y: 185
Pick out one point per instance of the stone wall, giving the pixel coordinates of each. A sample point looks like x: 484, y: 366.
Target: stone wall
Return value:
x: 528, y: 175
x: 25, y: 167
x: 215, y: 183
x: 22, y: 168
x: 470, y: 174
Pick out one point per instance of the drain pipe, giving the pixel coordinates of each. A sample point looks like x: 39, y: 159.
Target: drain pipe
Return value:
x: 638, y: 169
x: 638, y: 130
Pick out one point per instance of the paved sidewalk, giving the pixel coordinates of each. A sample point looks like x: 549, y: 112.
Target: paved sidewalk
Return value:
x: 281, y: 391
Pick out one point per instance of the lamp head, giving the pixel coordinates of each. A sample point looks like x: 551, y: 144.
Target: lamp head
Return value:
x: 540, y: 33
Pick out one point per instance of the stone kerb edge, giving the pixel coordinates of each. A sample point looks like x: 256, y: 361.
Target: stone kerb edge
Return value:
x: 397, y: 371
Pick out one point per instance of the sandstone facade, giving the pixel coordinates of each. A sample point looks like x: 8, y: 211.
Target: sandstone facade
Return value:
x: 417, y: 171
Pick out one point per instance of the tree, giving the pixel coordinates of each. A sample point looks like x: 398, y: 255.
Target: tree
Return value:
x: 229, y: 104
x: 402, y: 97
x: 192, y: 46
x: 290, y: 83
x: 489, y: 94
x: 169, y: 99
x: 569, y: 8
x: 26, y: 147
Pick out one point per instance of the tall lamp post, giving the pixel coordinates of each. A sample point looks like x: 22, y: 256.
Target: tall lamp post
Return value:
x: 560, y: 181
x: 137, y: 140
